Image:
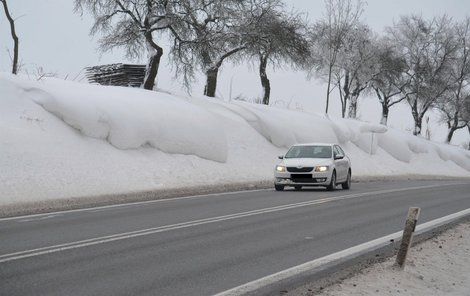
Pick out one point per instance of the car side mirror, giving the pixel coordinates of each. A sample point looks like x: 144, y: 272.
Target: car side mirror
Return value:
x: 339, y: 157
x: 281, y: 157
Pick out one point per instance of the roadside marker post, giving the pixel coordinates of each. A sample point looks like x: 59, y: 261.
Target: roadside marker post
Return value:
x: 410, y: 225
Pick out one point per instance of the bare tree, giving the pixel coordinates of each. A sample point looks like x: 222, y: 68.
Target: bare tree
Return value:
x: 355, y: 68
x: 208, y: 33
x: 277, y: 38
x: 132, y: 25
x: 329, y: 35
x: 466, y: 116
x: 452, y: 104
x: 428, y: 48
x: 10, y: 19
x: 389, y: 81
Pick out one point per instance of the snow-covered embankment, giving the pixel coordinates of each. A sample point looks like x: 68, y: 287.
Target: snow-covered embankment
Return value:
x: 62, y: 139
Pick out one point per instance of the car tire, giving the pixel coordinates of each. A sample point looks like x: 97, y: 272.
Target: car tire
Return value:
x: 279, y: 187
x: 347, y: 185
x: 297, y: 188
x: 332, y: 185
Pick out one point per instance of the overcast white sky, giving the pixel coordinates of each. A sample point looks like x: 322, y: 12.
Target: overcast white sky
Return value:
x: 53, y: 37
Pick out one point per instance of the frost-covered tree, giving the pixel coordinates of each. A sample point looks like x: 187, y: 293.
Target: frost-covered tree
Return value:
x: 14, y: 36
x: 389, y: 81
x: 277, y: 38
x: 355, y: 68
x: 209, y: 32
x: 428, y: 47
x: 456, y: 99
x: 329, y: 35
x: 354, y: 65
x: 133, y: 25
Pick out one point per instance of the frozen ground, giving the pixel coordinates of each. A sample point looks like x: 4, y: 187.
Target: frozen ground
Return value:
x: 439, y: 266
x: 61, y: 139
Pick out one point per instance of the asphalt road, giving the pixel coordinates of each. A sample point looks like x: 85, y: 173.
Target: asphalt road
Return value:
x: 207, y: 244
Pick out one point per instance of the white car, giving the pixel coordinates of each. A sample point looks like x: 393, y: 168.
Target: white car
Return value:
x: 313, y: 165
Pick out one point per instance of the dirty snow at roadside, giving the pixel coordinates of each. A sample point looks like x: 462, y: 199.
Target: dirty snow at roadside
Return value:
x: 61, y: 139
x: 440, y: 266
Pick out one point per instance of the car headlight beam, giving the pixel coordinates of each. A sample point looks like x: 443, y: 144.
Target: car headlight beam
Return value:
x: 281, y: 169
x: 321, y: 168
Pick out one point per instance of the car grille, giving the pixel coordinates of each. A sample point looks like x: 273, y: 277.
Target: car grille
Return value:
x: 299, y: 170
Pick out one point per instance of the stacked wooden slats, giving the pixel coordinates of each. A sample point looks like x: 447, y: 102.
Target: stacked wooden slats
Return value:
x: 116, y: 74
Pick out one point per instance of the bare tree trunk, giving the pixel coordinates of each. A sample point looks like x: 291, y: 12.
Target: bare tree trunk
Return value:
x: 264, y: 79
x: 213, y: 71
x: 352, y: 112
x: 328, y: 89
x: 452, y: 126
x: 14, y: 69
x: 346, y: 96
x: 450, y: 134
x: 211, y: 81
x: 416, y: 117
x: 418, y: 125
x: 343, y: 108
x: 155, y: 54
x: 468, y: 127
x: 385, y: 111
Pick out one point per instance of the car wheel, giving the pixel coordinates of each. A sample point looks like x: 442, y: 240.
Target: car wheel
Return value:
x: 332, y: 185
x: 297, y: 188
x: 347, y: 184
x: 279, y: 187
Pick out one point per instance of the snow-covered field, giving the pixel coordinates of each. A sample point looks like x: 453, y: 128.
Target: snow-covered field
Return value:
x: 61, y: 139
x: 439, y: 266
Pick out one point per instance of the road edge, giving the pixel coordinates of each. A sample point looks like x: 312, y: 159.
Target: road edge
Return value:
x: 81, y: 202
x: 335, y: 267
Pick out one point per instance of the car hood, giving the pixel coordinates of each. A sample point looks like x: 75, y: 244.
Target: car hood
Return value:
x: 306, y: 162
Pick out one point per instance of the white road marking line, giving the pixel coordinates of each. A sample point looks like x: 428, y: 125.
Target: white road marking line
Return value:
x: 137, y: 203
x: 38, y: 218
x: 252, y: 286
x: 149, y: 231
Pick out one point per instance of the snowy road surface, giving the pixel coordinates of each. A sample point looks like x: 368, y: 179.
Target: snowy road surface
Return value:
x: 207, y: 244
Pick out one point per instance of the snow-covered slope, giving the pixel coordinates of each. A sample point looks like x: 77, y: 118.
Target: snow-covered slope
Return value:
x: 62, y: 139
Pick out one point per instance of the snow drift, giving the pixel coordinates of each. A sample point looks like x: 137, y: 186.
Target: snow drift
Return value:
x: 62, y: 139
x: 132, y: 118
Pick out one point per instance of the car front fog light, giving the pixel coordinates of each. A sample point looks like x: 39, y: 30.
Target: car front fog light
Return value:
x: 322, y: 168
x: 280, y: 168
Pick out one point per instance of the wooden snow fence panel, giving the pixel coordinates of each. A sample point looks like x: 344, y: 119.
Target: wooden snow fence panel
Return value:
x: 116, y: 74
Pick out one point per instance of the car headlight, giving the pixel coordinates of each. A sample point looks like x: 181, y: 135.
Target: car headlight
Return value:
x: 280, y: 168
x: 322, y: 168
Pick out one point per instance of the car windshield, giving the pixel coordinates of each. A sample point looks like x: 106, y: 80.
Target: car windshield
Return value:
x: 309, y: 152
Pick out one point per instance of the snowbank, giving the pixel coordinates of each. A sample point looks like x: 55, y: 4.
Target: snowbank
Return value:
x: 133, y: 118
x: 440, y: 266
x: 62, y: 139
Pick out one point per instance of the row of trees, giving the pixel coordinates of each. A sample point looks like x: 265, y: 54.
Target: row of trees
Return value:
x: 424, y: 62
x: 203, y: 34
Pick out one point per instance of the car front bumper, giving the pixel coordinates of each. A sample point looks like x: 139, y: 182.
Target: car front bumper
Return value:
x: 317, y: 179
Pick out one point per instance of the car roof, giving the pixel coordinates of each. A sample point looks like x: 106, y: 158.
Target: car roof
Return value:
x: 316, y: 144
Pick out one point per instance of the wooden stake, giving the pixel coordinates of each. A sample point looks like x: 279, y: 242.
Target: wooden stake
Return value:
x: 410, y: 225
